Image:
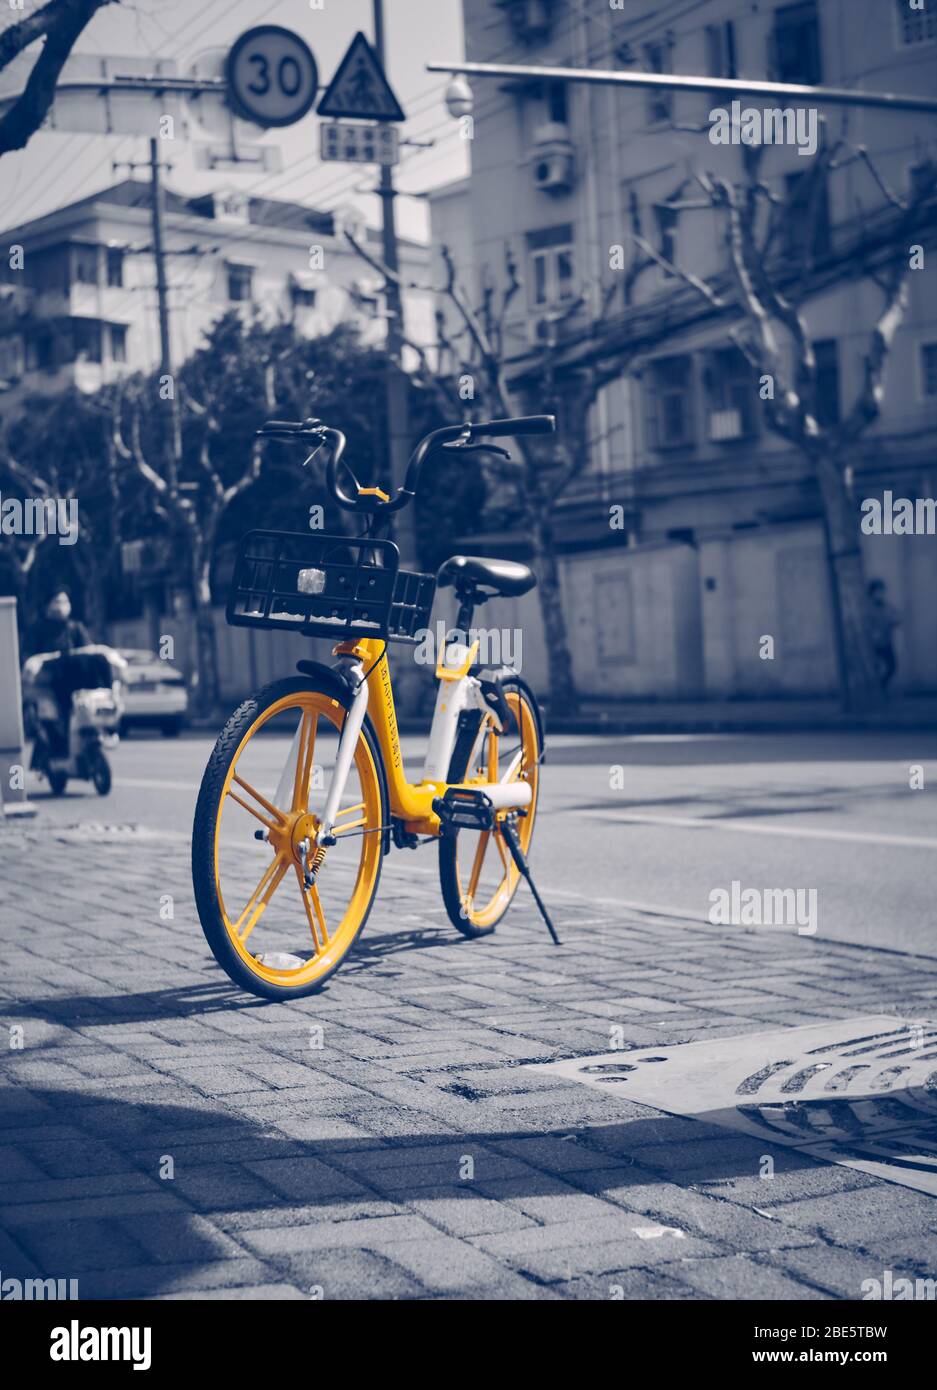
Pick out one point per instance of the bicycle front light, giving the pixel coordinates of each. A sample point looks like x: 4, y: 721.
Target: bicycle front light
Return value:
x: 310, y: 581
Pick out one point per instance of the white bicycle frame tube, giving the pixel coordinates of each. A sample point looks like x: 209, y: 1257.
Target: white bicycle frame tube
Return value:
x: 452, y: 697
x: 351, y: 728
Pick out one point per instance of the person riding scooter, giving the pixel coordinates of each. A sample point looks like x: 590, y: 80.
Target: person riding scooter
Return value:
x: 74, y: 699
x: 57, y: 632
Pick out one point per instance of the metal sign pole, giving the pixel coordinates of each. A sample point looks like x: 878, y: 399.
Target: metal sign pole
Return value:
x: 397, y: 387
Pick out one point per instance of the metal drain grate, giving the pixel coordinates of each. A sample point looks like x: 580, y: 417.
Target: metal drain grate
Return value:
x: 860, y: 1092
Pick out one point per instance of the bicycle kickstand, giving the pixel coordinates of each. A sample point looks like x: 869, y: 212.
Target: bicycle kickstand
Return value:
x: 520, y: 859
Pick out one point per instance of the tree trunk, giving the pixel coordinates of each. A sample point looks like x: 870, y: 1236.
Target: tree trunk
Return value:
x: 860, y: 686
x: 206, y: 656
x: 562, y: 686
x: 89, y: 571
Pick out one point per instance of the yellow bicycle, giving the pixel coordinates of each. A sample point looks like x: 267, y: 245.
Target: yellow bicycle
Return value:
x: 305, y: 790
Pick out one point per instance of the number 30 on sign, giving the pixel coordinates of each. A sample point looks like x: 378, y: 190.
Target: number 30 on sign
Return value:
x: 272, y: 76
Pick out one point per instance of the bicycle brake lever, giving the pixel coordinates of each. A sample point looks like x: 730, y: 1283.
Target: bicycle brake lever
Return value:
x: 477, y: 449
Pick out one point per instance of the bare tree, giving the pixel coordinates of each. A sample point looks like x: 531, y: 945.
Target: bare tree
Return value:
x: 768, y: 295
x: 54, y: 454
x: 191, y: 512
x: 58, y: 24
x: 476, y: 353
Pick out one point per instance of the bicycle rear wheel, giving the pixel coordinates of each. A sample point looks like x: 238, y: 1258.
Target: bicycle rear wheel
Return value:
x: 254, y: 841
x: 477, y: 875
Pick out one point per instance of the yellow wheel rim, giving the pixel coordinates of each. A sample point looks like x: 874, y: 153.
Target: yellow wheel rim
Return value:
x: 278, y: 906
x: 485, y: 896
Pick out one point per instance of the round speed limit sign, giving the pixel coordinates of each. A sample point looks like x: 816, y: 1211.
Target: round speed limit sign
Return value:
x: 272, y: 76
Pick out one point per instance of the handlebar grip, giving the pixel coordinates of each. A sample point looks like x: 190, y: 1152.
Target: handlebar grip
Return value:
x: 522, y: 424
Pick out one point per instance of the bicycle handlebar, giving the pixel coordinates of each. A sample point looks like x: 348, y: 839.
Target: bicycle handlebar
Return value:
x: 372, y: 499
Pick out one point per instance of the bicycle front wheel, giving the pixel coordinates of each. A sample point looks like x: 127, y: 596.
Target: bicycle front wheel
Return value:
x: 279, y: 913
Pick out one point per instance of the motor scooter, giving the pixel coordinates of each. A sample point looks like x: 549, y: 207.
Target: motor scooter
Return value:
x: 85, y: 682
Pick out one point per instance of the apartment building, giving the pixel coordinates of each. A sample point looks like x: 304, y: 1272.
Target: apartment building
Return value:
x: 78, y: 290
x: 694, y: 530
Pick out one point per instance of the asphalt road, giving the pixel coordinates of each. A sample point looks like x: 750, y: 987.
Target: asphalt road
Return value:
x: 660, y: 821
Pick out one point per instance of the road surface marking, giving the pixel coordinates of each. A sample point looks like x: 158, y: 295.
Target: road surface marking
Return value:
x: 796, y: 832
x: 149, y: 784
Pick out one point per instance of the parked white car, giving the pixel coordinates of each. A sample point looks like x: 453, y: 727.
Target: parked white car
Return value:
x: 154, y: 693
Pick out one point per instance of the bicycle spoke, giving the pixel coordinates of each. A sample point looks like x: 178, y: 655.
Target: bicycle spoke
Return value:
x: 320, y: 915
x: 307, y: 742
x: 258, y: 900
x: 480, y: 852
x: 514, y: 767
x: 261, y: 801
x: 340, y: 830
x: 309, y: 917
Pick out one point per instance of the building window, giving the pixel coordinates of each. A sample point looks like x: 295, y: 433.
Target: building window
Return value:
x: 720, y: 49
x: 86, y: 337
x: 928, y: 360
x: 794, y: 53
x: 807, y: 224
x: 667, y: 218
x: 826, y: 407
x: 115, y: 267
x: 85, y: 264
x: 240, y: 282
x: 369, y: 305
x: 40, y: 354
x: 731, y: 396
x: 118, y: 342
x: 659, y: 100
x: 915, y: 26
x: 552, y: 265
x: 671, y: 402
x: 49, y: 269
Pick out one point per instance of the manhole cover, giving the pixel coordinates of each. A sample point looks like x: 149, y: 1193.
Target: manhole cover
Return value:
x: 862, y: 1092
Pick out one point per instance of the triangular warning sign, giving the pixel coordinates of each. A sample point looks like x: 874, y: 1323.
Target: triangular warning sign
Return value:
x: 359, y: 89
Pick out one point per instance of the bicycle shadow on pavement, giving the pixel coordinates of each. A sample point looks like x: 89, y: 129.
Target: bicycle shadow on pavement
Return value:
x: 88, y: 1192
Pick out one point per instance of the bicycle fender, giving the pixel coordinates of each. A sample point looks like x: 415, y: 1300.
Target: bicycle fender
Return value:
x: 333, y: 680
x: 499, y: 674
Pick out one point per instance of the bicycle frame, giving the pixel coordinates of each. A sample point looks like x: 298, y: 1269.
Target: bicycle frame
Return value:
x: 411, y: 802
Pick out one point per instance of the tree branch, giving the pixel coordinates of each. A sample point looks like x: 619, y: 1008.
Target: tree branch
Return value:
x: 60, y: 22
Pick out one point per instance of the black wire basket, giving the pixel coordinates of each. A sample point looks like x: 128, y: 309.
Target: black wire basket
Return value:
x: 327, y: 586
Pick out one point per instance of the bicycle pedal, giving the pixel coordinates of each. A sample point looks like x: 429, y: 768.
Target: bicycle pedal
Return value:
x: 464, y: 808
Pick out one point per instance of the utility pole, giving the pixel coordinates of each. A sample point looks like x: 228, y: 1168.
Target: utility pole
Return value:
x: 171, y: 439
x: 398, y: 412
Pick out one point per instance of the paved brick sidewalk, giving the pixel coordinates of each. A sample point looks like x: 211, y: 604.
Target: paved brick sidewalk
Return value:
x: 413, y: 1155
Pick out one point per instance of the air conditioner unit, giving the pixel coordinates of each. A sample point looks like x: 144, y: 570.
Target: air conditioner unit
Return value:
x: 725, y: 424
x: 553, y: 158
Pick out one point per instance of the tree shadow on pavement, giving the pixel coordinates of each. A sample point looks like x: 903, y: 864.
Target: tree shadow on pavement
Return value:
x: 246, y: 1206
